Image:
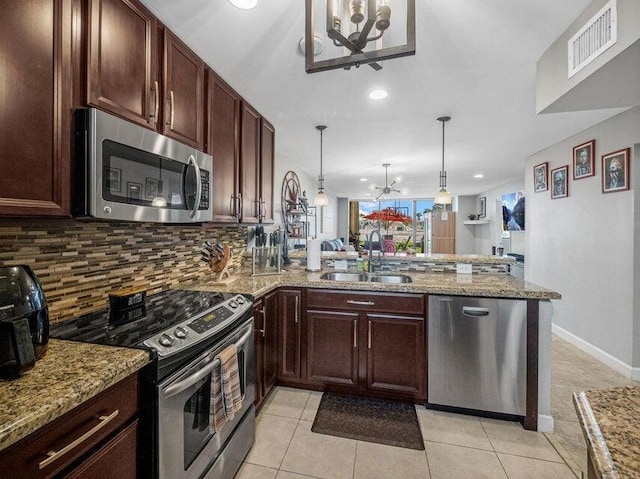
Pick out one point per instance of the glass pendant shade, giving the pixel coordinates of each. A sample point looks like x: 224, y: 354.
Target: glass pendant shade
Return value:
x: 443, y: 197
x: 321, y: 199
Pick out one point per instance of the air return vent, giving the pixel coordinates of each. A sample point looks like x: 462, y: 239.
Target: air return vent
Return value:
x: 594, y: 38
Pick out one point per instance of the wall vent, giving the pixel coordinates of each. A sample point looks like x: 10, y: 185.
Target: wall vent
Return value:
x: 594, y: 38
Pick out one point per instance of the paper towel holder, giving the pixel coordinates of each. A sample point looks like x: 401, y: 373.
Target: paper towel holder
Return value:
x: 319, y: 244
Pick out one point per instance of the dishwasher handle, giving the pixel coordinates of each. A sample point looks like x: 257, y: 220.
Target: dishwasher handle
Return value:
x: 474, y: 311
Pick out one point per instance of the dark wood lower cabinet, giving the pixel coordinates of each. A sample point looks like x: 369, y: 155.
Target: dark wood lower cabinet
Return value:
x: 396, y: 357
x: 117, y: 458
x: 290, y: 339
x: 266, y: 345
x: 332, y: 348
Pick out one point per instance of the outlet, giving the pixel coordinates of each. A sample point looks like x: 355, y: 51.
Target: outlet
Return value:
x: 464, y: 268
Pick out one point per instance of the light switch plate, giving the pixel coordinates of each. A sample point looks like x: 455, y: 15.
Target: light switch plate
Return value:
x: 464, y: 268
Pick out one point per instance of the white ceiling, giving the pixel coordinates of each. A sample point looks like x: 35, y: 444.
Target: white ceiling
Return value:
x: 475, y: 60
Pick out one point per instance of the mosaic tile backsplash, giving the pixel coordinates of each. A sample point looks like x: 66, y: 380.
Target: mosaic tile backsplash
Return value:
x: 79, y: 263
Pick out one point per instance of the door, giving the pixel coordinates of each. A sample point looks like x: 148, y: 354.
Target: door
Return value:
x: 267, y: 157
x: 332, y: 348
x: 396, y: 360
x: 249, y: 164
x: 443, y: 232
x: 122, y: 71
x: 35, y: 99
x: 183, y: 93
x: 270, y: 347
x: 289, y: 334
x: 223, y: 143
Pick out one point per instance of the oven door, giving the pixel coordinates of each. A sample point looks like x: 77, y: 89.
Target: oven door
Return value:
x: 134, y: 174
x: 187, y: 446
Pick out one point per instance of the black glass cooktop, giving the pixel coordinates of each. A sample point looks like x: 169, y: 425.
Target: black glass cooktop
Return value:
x: 130, y: 328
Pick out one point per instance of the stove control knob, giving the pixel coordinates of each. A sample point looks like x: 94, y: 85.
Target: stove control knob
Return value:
x: 240, y: 299
x: 180, y: 332
x: 233, y: 304
x: 166, y: 340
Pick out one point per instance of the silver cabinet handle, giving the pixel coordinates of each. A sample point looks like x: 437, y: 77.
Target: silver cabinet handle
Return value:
x: 472, y: 311
x: 361, y: 303
x: 232, y: 205
x: 157, y: 101
x: 240, y: 206
x: 296, y: 310
x: 264, y: 321
x: 196, y: 203
x: 55, y: 455
x: 355, y: 333
x: 172, y: 102
x: 369, y: 336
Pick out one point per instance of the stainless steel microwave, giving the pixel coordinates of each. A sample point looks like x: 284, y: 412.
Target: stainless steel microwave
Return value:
x: 125, y: 172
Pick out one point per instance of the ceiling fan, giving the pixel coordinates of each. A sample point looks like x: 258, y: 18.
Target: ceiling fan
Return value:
x: 387, y: 187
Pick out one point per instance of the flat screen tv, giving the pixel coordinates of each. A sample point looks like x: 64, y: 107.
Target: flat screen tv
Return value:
x: 513, y: 211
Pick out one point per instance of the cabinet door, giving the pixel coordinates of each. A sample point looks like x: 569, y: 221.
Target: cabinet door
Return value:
x: 122, y: 71
x: 35, y: 107
x: 267, y: 157
x: 289, y: 334
x: 270, y: 348
x: 183, y: 93
x: 258, y: 326
x: 396, y: 358
x: 443, y: 233
x: 249, y: 164
x: 332, y: 348
x: 223, y: 143
x: 117, y: 458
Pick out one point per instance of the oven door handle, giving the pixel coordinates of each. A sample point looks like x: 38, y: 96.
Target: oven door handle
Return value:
x: 180, y: 386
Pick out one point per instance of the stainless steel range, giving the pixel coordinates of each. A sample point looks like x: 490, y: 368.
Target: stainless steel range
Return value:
x: 185, y: 331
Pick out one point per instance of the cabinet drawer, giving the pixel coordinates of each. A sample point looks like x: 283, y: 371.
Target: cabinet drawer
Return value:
x: 92, y: 421
x: 365, y: 301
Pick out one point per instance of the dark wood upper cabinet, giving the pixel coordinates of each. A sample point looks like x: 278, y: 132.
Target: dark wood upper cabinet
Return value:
x: 35, y: 117
x: 223, y: 143
x: 267, y: 159
x: 122, y: 70
x: 249, y: 164
x: 183, y: 86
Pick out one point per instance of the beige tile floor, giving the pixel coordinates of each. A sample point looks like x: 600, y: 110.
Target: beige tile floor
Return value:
x: 456, y: 446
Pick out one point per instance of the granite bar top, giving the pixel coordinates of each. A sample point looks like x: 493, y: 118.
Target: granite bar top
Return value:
x: 486, y: 285
x: 439, y: 258
x: 610, y: 420
x: 68, y: 374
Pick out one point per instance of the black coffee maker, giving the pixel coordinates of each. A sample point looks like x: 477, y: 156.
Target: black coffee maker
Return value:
x: 24, y: 320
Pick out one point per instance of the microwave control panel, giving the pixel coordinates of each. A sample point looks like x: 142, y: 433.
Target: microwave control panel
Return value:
x: 204, y: 196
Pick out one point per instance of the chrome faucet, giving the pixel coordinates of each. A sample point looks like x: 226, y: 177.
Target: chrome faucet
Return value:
x: 371, y: 248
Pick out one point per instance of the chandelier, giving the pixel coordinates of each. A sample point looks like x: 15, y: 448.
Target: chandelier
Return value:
x: 388, y: 188
x: 362, y: 31
x: 443, y: 197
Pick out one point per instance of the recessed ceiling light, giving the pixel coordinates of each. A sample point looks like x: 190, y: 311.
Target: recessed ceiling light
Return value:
x: 364, y: 179
x: 479, y: 175
x: 378, y: 94
x: 244, y: 4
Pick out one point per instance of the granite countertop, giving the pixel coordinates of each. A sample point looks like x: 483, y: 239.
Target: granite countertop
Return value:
x: 610, y: 422
x: 487, y: 285
x: 439, y: 258
x: 68, y: 374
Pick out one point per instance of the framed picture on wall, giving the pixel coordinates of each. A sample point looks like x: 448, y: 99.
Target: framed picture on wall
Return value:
x: 584, y: 160
x: 482, y: 207
x: 615, y: 171
x: 559, y: 182
x: 541, y: 177
x: 152, y: 188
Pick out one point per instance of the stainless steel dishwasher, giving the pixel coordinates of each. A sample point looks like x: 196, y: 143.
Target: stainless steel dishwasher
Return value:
x: 477, y: 353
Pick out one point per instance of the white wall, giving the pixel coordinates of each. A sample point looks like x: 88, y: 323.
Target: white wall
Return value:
x: 584, y: 246
x: 489, y: 235
x: 342, y: 210
x: 465, y: 234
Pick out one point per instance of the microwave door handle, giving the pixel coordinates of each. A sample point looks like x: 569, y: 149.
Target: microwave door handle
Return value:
x: 196, y: 203
x: 180, y: 386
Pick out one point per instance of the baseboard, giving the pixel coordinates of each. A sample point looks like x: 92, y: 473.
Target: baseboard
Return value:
x: 614, y: 363
x: 545, y: 423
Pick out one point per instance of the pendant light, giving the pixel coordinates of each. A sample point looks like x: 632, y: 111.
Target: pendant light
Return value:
x: 443, y: 197
x: 321, y: 198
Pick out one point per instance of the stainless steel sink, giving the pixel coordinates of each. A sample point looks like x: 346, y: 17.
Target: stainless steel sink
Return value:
x: 363, y: 277
x: 345, y: 277
x: 390, y: 278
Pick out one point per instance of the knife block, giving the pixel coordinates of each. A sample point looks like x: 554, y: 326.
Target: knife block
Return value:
x: 219, y: 264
